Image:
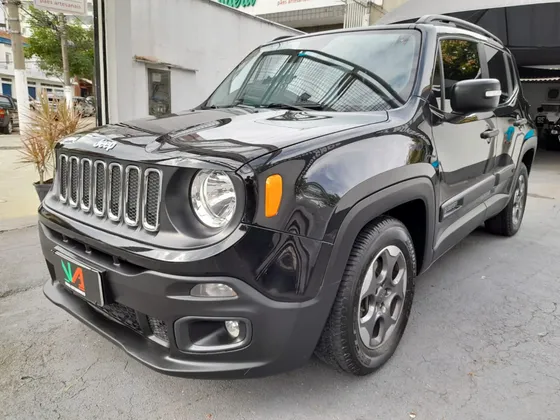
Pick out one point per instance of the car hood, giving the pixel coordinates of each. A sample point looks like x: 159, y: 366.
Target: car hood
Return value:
x: 226, y: 138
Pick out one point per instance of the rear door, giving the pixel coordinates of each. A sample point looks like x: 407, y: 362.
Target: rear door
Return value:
x: 465, y: 146
x: 512, y: 121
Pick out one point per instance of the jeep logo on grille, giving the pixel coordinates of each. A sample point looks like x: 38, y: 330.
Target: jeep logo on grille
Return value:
x: 105, y: 144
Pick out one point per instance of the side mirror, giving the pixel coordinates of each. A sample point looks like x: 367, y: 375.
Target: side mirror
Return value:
x: 481, y: 95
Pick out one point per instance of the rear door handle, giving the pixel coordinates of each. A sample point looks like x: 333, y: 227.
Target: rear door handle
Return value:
x: 489, y: 134
x: 520, y: 122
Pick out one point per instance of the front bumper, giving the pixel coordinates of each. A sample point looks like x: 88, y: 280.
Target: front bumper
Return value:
x: 283, y: 334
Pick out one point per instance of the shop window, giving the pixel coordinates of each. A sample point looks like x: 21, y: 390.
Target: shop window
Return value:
x: 159, y: 92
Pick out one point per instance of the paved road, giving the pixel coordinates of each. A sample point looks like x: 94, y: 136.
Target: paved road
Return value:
x: 483, y: 342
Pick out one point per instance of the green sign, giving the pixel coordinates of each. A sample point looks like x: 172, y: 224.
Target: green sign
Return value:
x: 238, y: 3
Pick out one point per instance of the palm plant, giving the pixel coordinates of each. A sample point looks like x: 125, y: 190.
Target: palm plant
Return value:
x: 51, y: 122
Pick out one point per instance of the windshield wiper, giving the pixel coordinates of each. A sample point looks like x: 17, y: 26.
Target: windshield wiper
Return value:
x: 307, y: 107
x: 243, y: 106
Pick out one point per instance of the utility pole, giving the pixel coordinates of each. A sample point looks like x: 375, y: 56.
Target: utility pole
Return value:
x: 22, y: 94
x: 68, y: 94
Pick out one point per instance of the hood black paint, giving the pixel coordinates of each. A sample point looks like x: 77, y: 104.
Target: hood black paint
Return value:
x: 226, y: 138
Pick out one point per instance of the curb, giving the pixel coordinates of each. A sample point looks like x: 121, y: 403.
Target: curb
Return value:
x: 7, y: 225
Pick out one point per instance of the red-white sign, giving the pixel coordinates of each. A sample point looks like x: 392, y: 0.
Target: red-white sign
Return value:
x: 70, y: 7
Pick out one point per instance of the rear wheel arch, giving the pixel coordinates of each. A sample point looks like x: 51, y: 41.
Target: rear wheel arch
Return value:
x: 527, y: 159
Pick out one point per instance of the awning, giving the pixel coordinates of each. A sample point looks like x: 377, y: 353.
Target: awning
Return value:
x: 529, y: 28
x: 543, y: 80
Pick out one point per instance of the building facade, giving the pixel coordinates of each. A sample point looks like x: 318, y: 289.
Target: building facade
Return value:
x: 317, y: 15
x: 37, y: 80
x: 155, y: 61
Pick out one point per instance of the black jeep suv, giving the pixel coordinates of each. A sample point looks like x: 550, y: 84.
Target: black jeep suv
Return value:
x: 291, y: 211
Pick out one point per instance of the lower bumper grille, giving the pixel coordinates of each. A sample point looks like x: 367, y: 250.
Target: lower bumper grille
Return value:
x: 122, y: 314
x: 130, y: 318
x: 159, y: 328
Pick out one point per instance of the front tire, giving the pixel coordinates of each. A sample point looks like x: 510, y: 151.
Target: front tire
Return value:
x: 374, y: 300
x: 508, y: 221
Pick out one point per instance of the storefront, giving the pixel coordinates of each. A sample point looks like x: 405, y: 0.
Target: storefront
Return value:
x: 306, y: 15
x: 317, y: 15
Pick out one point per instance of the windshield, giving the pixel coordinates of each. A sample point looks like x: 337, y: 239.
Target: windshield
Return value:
x: 343, y: 72
x: 550, y: 108
x: 4, y: 101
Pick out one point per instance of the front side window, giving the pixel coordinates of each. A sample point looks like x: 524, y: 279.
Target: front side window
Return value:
x: 461, y: 61
x: 351, y: 72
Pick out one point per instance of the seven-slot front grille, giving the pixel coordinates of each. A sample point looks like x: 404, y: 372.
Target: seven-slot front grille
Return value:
x: 111, y: 190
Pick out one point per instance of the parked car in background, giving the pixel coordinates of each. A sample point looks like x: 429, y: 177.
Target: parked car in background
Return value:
x: 9, y: 117
x: 292, y: 210
x: 92, y: 101
x: 551, y: 113
x: 552, y: 141
x: 34, y: 103
x: 83, y: 107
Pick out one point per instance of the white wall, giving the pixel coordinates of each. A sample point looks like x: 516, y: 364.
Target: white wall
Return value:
x: 201, y: 35
x: 537, y: 93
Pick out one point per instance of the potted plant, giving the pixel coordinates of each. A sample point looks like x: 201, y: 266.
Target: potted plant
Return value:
x: 50, y: 123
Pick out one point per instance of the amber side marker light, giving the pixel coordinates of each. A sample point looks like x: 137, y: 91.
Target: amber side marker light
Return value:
x: 273, y: 195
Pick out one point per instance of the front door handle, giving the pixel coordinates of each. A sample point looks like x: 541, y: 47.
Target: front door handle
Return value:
x: 520, y: 122
x: 489, y: 134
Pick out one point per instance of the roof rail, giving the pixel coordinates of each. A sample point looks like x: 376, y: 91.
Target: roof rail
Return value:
x: 459, y: 23
x: 282, y: 37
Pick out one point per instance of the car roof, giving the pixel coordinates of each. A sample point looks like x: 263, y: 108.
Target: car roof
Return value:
x: 438, y: 28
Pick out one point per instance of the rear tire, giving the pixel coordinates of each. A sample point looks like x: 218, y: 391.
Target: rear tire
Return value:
x: 9, y: 129
x: 508, y: 221
x: 371, y: 310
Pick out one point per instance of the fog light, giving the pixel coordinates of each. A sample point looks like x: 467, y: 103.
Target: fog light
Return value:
x: 218, y: 290
x: 232, y: 328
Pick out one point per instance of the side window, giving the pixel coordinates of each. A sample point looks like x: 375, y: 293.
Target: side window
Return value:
x: 513, y: 74
x: 461, y: 61
x: 437, y: 80
x: 498, y: 69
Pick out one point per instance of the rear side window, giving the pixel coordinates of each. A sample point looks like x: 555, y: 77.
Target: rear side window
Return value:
x: 513, y: 74
x: 498, y: 69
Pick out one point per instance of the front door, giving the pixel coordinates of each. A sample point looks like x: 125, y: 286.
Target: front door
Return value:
x: 465, y: 146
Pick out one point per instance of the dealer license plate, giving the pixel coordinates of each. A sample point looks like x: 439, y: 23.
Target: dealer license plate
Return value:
x: 81, y: 279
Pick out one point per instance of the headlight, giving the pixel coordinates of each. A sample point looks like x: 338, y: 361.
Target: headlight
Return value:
x: 213, y: 198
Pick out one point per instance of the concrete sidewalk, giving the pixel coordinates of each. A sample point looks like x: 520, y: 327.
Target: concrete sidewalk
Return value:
x: 18, y: 199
